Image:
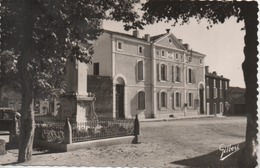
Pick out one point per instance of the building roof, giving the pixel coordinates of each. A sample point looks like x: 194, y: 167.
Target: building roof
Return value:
x: 152, y: 38
x: 214, y: 75
x: 237, y: 90
x: 124, y: 35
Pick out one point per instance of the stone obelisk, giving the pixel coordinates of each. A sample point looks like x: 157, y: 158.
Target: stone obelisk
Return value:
x: 77, y: 104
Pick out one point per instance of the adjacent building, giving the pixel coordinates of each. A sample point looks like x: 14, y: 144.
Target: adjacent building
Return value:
x: 154, y: 76
x: 217, y: 93
x: 237, y: 101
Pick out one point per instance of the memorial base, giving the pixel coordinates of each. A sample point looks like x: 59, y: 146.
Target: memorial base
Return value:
x: 78, y: 108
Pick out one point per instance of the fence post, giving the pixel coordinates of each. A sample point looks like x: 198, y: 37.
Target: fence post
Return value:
x: 67, y: 132
x: 136, y: 130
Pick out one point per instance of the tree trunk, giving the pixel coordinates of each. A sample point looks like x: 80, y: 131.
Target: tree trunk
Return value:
x: 27, y: 113
x: 248, y: 156
x: 27, y: 116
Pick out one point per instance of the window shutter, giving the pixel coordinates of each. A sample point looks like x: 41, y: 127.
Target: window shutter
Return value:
x: 173, y: 104
x: 140, y: 70
x: 158, y: 72
x: 180, y: 74
x: 187, y: 98
x: 187, y: 77
x: 193, y: 76
x: 159, y: 100
x: 166, y: 72
x: 173, y: 75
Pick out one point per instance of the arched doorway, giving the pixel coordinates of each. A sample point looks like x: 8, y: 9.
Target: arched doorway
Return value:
x: 120, y: 97
x: 201, y: 95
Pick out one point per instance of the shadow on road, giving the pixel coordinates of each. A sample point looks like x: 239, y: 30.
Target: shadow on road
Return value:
x: 212, y: 159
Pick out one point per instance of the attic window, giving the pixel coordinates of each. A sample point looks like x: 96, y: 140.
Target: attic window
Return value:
x: 170, y: 41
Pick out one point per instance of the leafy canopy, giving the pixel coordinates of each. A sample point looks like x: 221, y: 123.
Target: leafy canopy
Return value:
x: 61, y: 30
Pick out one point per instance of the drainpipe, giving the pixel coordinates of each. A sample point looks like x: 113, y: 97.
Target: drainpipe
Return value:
x: 153, y: 79
x: 185, y: 82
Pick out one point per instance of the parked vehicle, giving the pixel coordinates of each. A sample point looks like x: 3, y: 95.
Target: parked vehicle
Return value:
x: 9, y: 120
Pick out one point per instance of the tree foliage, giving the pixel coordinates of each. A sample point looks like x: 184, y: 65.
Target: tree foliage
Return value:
x: 58, y: 29
x: 43, y: 35
x: 216, y: 12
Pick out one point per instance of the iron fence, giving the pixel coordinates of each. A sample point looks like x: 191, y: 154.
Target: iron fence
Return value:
x: 93, y: 130
x: 53, y: 130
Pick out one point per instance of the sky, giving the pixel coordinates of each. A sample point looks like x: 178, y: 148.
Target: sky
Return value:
x: 222, y: 44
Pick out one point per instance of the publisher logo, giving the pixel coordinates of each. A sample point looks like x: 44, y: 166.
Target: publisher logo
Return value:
x: 227, y: 150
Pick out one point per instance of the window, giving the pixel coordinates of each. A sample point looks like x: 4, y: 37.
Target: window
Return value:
x: 170, y: 40
x: 178, y: 100
x: 163, y: 72
x: 220, y: 90
x: 119, y: 45
x: 208, y: 108
x: 226, y: 85
x: 96, y: 68
x: 140, y: 49
x: 163, y: 53
x: 207, y: 90
x: 177, y: 56
x: 201, y: 61
x: 141, y: 100
x: 140, y: 70
x: 158, y: 52
x: 215, y: 90
x: 163, y: 99
x: 177, y: 74
x: 190, y: 99
x: 221, y: 107
x: 191, y: 76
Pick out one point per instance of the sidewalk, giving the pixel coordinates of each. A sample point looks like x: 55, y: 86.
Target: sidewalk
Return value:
x: 177, y: 118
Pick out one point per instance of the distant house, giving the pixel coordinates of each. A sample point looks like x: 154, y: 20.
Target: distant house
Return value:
x: 217, y: 93
x: 10, y: 97
x: 152, y: 76
x: 237, y: 99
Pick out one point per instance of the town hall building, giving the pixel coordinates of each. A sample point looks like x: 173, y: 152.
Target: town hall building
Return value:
x: 153, y: 77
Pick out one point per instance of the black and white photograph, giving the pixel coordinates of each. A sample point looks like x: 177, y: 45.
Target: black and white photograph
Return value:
x: 128, y: 83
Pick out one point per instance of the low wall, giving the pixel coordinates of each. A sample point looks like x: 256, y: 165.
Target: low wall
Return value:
x: 59, y: 147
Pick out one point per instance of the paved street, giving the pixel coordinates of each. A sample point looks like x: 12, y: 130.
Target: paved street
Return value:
x: 177, y: 143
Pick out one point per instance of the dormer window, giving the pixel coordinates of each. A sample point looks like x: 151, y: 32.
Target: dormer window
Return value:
x: 177, y: 56
x: 119, y: 45
x: 163, y: 53
x: 140, y: 49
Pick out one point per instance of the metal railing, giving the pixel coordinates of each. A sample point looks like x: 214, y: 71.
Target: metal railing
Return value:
x: 92, y: 130
x: 56, y: 131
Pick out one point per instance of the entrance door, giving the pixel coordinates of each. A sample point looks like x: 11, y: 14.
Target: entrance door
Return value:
x: 201, y: 101
x: 120, y: 111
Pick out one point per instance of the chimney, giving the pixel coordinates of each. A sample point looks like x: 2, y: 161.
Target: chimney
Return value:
x: 214, y: 73
x: 147, y: 37
x: 180, y: 40
x: 136, y: 33
x: 187, y: 46
x: 207, y: 69
x: 168, y: 30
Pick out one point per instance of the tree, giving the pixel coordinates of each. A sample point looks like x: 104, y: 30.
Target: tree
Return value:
x: 43, y: 35
x: 217, y: 12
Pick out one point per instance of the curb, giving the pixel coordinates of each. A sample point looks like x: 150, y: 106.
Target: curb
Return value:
x: 179, y: 118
